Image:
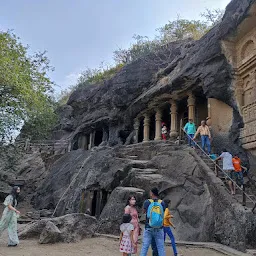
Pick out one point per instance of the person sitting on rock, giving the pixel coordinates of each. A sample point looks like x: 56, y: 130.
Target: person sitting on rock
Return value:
x: 205, y: 134
x: 228, y: 168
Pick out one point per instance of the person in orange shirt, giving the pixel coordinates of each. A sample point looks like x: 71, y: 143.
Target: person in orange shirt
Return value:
x: 238, y: 170
x: 167, y: 226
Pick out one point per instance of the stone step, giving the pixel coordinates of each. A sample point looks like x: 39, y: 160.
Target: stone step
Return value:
x: 132, y: 157
x: 146, y: 171
x: 141, y: 164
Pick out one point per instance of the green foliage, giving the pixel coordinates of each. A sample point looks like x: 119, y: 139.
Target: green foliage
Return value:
x: 178, y: 29
x: 181, y: 29
x: 24, y: 86
x: 154, y: 51
x: 97, y: 75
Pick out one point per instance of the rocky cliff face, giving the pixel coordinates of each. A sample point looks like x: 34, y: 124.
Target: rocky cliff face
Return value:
x: 203, y: 208
x: 193, y: 64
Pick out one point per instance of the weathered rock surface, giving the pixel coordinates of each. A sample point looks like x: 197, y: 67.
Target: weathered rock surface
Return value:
x: 68, y: 228
x: 203, y: 209
x: 50, y: 234
x: 111, y: 216
x: 200, y: 64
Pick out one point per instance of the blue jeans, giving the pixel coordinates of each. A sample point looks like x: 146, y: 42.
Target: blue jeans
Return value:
x: 156, y: 234
x: 206, y: 142
x: 168, y: 231
x: 190, y: 141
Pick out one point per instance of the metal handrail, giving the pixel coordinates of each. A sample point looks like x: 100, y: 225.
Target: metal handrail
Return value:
x: 248, y: 197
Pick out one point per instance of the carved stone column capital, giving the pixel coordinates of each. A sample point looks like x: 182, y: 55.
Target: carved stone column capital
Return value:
x: 191, y: 99
x: 173, y: 107
x: 158, y: 115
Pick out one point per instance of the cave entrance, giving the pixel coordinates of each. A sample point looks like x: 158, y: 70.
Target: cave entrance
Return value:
x: 166, y: 116
x: 93, y: 201
x: 98, y: 137
x: 75, y: 143
x: 140, y: 137
x: 152, y: 127
x: 81, y: 141
x: 201, y: 109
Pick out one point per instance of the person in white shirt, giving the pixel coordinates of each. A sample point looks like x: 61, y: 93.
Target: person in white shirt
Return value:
x: 228, y: 167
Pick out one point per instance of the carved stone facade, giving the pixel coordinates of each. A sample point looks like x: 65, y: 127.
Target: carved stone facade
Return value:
x: 241, y: 52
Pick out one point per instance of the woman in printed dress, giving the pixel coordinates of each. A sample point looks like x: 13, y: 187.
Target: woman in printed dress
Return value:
x: 9, y: 217
x: 131, y: 209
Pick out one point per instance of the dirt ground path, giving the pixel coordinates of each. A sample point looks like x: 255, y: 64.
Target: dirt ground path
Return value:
x: 99, y: 246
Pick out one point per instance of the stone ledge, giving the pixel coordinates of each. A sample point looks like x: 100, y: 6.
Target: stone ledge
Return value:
x: 207, y: 245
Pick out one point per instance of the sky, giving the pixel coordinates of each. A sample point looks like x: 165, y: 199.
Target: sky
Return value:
x: 82, y: 33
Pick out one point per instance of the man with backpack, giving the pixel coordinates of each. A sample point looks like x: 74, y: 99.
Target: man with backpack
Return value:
x: 154, y: 209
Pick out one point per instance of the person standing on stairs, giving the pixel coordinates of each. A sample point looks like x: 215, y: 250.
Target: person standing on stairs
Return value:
x: 154, y: 209
x: 205, y: 134
x: 239, y: 177
x: 228, y: 168
x: 131, y: 209
x: 190, y: 129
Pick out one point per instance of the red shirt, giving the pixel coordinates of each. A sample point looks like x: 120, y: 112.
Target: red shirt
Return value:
x: 237, y: 164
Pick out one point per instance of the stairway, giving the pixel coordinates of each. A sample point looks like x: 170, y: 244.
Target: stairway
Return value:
x: 141, y: 168
x: 249, y: 205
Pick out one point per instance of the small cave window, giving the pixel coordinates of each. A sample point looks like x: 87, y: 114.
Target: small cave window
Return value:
x: 98, y: 137
x: 75, y: 143
x: 140, y: 139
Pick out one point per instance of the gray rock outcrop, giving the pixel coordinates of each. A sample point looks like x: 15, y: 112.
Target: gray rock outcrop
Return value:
x: 68, y: 228
x: 111, y: 216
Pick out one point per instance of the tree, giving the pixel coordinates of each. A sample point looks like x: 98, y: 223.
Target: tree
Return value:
x: 25, y: 88
x: 180, y: 29
x: 213, y: 17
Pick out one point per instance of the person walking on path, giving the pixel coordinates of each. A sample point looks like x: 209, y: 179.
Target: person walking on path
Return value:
x: 154, y: 223
x: 205, y: 134
x: 9, y: 217
x: 239, y: 177
x: 127, y: 245
x: 190, y: 129
x: 167, y: 227
x: 131, y: 209
x: 228, y: 168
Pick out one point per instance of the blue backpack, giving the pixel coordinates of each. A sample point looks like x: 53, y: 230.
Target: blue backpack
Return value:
x: 155, y: 214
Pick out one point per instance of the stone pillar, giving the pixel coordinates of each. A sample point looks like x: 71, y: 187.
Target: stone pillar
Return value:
x: 191, y: 106
x: 92, y: 137
x: 158, y: 125
x: 239, y: 92
x: 146, y: 128
x: 82, y: 142
x: 174, y: 120
x: 98, y: 203
x: 136, y: 128
x: 105, y: 134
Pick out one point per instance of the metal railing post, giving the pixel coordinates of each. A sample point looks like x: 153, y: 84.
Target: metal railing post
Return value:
x: 244, y: 196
